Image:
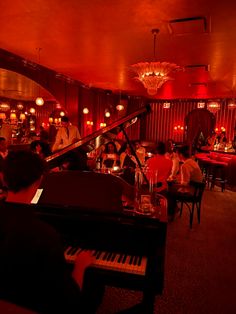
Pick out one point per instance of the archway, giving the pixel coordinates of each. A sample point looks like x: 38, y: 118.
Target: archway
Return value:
x: 199, y: 122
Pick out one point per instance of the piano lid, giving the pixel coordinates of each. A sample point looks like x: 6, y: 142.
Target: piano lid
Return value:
x: 115, y: 127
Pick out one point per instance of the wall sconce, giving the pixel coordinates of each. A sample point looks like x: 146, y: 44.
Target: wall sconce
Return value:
x: 62, y: 113
x: 178, y: 128
x: 85, y: 110
x: 103, y: 125
x: 50, y: 119
x: 223, y: 129
x: 120, y: 107
x: 89, y: 122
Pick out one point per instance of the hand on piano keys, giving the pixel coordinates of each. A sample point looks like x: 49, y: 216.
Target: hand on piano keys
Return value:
x: 82, y: 260
x: 110, y: 261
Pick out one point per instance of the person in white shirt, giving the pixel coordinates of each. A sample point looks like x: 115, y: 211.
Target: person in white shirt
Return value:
x: 190, y: 170
x: 67, y: 134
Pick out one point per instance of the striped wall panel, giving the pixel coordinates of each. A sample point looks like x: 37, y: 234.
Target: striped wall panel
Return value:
x: 160, y: 122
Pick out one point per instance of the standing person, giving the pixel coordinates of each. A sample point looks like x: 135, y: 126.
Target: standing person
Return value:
x: 33, y: 269
x: 66, y: 135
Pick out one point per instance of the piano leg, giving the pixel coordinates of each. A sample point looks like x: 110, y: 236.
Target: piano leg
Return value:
x: 148, y: 302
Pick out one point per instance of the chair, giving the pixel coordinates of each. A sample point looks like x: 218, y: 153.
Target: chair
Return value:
x: 192, y: 198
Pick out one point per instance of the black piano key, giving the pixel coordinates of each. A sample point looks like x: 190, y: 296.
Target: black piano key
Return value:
x: 98, y: 254
x: 74, y: 250
x: 109, y: 256
x: 113, y: 257
x: 131, y: 260
x: 139, y: 260
x: 135, y: 260
x: 105, y: 256
x: 120, y: 258
x: 95, y: 253
x: 70, y: 250
x: 124, y: 258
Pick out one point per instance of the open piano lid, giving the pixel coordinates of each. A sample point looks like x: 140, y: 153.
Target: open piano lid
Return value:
x: 115, y: 127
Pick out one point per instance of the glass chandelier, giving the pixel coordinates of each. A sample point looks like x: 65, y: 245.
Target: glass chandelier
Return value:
x: 154, y: 74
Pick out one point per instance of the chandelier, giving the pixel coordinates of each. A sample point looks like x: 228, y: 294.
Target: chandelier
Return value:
x: 154, y: 74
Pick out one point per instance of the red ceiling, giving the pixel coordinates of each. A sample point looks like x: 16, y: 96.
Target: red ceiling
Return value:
x: 96, y: 41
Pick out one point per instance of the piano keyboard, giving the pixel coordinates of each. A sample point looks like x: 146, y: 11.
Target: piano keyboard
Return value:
x: 111, y: 261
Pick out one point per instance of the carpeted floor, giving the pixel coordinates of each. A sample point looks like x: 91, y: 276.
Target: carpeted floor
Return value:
x: 200, y: 273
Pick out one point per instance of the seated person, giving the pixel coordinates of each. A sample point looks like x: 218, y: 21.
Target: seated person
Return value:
x: 210, y: 142
x: 110, y: 157
x: 41, y: 148
x: 159, y: 168
x: 128, y: 163
x: 33, y: 270
x: 140, y: 152
x: 127, y: 160
x: 189, y: 172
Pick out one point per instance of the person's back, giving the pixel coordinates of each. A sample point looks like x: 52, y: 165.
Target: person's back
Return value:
x: 33, y: 270
x: 160, y: 165
x: 32, y: 266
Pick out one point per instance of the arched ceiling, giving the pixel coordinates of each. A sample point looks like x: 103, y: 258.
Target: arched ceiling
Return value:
x: 96, y: 41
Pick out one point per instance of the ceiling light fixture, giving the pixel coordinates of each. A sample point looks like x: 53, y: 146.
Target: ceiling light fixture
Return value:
x: 39, y: 100
x: 154, y: 74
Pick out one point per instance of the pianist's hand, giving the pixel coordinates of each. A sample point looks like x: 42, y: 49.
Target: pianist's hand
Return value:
x: 83, y: 260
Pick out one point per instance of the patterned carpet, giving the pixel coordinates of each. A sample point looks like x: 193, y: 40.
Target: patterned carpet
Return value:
x: 200, y: 273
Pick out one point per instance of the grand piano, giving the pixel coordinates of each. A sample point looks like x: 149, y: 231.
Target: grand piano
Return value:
x: 129, y: 248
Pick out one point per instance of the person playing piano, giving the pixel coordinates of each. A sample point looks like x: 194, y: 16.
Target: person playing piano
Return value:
x: 33, y: 269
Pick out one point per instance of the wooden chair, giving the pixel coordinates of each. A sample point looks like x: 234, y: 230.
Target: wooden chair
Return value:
x: 192, y: 198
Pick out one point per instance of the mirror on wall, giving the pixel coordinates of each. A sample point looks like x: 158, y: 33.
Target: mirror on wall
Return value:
x: 18, y: 109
